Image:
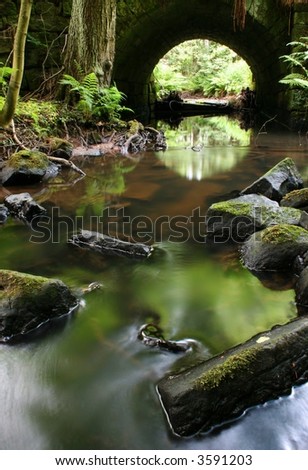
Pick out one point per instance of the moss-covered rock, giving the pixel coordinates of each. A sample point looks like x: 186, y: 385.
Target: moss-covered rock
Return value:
x: 296, y: 198
x: 223, y: 387
x: 274, y: 248
x: 28, y: 303
x: 27, y: 167
x: 236, y: 219
x: 58, y: 147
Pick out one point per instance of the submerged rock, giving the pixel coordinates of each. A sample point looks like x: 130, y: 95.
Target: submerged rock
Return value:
x: 98, y: 242
x: 236, y: 219
x: 24, y: 207
x: 278, y: 181
x: 27, y: 167
x: 29, y: 303
x: 223, y: 387
x: 274, y: 248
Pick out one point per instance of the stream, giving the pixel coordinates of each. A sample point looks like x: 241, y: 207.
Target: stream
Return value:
x: 92, y: 384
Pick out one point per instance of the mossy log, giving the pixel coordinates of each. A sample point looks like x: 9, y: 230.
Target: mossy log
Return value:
x: 222, y: 388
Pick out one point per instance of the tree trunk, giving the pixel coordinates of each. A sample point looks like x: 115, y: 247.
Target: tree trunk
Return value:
x: 8, y: 110
x: 91, y: 39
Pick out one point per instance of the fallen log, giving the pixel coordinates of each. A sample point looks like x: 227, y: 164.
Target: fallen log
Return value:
x: 223, y: 387
x: 98, y: 242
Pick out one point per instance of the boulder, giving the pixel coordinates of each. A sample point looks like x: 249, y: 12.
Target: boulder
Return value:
x: 30, y: 304
x: 103, y: 244
x: 278, y: 181
x: 274, y: 248
x: 236, y: 219
x: 23, y: 207
x: 27, y: 167
x: 223, y: 387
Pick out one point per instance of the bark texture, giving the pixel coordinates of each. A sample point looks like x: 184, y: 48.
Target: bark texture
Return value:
x: 91, y: 39
x: 8, y: 110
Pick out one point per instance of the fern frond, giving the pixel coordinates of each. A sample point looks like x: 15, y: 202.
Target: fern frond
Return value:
x: 70, y: 81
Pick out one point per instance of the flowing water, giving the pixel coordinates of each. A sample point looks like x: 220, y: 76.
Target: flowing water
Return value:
x: 92, y: 385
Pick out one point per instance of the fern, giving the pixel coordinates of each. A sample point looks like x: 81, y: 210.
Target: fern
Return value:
x: 94, y: 101
x: 297, y: 60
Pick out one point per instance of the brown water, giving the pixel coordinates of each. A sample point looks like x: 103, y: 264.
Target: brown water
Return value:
x: 92, y: 385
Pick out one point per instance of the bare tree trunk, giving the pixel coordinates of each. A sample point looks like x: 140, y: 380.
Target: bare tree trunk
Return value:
x: 8, y: 110
x: 91, y: 39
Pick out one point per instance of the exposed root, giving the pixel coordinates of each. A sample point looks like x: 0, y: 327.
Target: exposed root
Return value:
x: 68, y: 163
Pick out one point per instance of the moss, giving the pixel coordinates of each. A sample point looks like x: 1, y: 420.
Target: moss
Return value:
x: 227, y: 370
x: 283, y: 233
x: 134, y: 127
x: 13, y: 283
x: 28, y: 159
x: 295, y: 193
x: 234, y: 208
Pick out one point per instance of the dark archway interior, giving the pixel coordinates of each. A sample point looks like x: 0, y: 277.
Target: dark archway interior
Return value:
x: 144, y: 43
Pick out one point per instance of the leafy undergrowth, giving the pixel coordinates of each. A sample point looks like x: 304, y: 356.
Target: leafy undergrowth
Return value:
x: 36, y: 121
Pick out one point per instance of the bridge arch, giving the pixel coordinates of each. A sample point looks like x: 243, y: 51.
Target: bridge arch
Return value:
x: 152, y: 33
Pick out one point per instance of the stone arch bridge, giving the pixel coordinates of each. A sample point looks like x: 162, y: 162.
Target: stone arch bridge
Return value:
x: 146, y: 30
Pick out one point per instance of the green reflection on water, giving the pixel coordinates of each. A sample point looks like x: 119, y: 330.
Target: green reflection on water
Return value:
x: 103, y: 378
x: 205, y: 146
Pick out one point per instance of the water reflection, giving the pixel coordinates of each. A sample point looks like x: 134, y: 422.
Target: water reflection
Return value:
x: 189, y: 153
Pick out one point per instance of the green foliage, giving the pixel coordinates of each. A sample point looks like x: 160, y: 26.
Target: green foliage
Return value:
x: 297, y: 61
x: 5, y: 73
x: 202, y: 66
x: 94, y: 101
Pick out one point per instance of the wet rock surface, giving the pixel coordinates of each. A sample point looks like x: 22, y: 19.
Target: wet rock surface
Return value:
x: 109, y: 246
x: 278, y: 181
x: 29, y: 304
x: 223, y: 387
x: 23, y: 207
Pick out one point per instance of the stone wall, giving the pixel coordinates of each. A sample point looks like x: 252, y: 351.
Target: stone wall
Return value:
x: 147, y: 30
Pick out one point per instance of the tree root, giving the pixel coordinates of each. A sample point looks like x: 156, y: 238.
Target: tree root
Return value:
x: 69, y: 163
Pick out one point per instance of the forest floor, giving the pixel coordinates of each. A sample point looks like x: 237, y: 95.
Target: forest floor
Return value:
x: 38, y: 123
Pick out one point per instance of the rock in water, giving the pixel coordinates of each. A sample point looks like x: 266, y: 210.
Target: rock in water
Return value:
x: 98, y: 242
x: 29, y: 303
x: 277, y: 182
x: 274, y: 248
x: 223, y: 387
x: 27, y: 167
x: 23, y: 207
x: 236, y: 219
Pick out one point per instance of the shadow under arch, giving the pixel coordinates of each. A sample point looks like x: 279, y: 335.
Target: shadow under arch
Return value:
x: 154, y: 32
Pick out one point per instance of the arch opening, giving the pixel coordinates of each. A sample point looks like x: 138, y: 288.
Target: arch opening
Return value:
x: 201, y: 68
x: 155, y: 33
